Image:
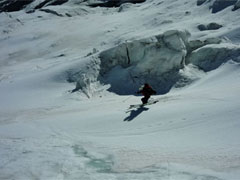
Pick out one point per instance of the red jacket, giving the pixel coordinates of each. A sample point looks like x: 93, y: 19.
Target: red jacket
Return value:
x: 147, y: 91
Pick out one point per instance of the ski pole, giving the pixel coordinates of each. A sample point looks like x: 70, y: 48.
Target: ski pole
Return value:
x: 126, y: 99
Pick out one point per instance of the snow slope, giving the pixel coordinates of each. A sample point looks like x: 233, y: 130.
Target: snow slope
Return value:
x: 46, y: 132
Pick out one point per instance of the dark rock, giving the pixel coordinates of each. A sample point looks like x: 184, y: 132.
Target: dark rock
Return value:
x: 30, y: 11
x: 68, y: 15
x: 219, y: 5
x: 42, y: 4
x: 200, y: 2
x: 115, y: 3
x: 57, y: 2
x: 13, y: 5
x: 210, y: 26
x: 16, y: 5
x: 202, y: 27
x: 50, y: 2
x: 51, y: 12
x: 236, y: 6
x: 213, y: 26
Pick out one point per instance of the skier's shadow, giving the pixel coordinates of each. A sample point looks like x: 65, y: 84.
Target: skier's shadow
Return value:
x: 134, y: 113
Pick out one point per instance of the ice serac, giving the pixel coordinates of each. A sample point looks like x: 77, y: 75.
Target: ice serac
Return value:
x: 156, y: 60
x: 211, y: 56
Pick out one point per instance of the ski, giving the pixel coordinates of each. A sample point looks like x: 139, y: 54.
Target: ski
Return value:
x: 133, y: 106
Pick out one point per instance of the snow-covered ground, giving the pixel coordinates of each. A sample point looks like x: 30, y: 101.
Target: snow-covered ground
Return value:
x: 49, y: 133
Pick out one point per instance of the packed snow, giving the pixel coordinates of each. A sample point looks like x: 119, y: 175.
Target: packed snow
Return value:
x: 68, y: 76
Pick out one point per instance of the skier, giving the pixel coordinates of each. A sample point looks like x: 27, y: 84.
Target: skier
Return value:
x: 146, y: 91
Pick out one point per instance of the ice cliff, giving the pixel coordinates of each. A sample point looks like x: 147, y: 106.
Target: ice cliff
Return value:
x: 156, y: 60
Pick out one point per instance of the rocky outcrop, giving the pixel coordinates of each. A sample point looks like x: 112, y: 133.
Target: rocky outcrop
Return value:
x: 51, y: 12
x: 210, y: 26
x: 114, y: 3
x: 16, y: 5
x: 50, y: 2
x: 13, y: 5
x: 236, y: 6
x: 200, y: 2
x: 219, y: 5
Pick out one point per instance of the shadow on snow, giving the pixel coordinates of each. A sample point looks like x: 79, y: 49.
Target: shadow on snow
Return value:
x: 135, y: 112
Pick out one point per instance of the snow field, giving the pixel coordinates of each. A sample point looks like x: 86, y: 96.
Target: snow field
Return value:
x: 48, y: 133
